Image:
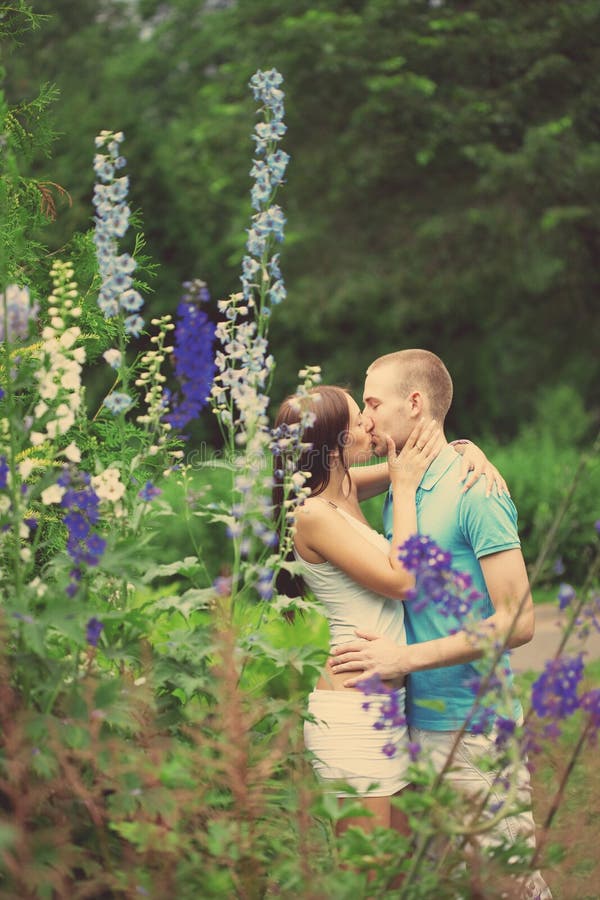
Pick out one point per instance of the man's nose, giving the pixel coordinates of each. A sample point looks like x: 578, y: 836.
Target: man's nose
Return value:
x: 368, y: 422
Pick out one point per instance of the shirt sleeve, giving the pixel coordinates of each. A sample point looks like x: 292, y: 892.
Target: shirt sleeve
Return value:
x: 489, y: 524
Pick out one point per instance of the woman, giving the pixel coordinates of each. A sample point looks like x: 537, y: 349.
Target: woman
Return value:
x: 357, y: 576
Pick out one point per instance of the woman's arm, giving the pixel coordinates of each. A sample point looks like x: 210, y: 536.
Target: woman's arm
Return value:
x: 370, y: 480
x: 324, y: 531
x: 373, y: 480
x: 475, y: 462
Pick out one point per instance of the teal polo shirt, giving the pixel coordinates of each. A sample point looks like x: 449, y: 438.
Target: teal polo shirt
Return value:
x: 470, y: 526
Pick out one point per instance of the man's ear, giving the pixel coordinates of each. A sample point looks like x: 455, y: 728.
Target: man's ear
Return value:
x: 415, y: 401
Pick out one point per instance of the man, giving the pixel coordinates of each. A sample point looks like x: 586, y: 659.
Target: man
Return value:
x: 481, y: 533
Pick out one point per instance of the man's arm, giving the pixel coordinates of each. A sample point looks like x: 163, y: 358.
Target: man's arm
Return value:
x: 508, y: 586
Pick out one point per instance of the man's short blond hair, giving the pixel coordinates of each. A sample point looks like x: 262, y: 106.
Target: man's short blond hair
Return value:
x: 421, y: 370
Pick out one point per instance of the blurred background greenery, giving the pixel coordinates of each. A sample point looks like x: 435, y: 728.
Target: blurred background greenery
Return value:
x: 444, y: 192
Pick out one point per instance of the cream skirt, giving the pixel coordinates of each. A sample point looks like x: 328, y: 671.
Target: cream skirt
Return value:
x: 348, y: 749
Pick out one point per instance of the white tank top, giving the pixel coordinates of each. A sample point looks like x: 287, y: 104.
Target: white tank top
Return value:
x: 349, y: 605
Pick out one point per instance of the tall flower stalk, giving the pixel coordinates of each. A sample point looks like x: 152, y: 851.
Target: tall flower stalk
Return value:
x: 118, y: 296
x: 239, y: 395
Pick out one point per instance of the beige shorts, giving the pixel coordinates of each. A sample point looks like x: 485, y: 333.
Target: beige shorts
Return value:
x: 348, y: 750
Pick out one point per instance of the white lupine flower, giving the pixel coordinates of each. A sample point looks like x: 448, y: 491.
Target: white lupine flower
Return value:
x: 39, y: 409
x: 108, y: 485
x: 113, y: 358
x: 38, y: 586
x: 71, y: 380
x: 48, y: 389
x: 72, y: 452
x: 4, y: 504
x: 68, y: 337
x: 37, y: 438
x: 52, y: 494
x: 26, y: 467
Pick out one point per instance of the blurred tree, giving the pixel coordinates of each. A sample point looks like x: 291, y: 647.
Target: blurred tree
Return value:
x: 443, y: 190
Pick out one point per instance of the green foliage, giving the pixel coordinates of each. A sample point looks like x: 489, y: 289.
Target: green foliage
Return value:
x: 456, y: 153
x: 547, y: 465
x: 156, y: 759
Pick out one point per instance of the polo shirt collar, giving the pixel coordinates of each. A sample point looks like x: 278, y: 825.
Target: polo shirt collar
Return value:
x: 438, y: 467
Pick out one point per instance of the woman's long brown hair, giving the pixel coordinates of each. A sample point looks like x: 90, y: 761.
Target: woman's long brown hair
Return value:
x: 328, y: 433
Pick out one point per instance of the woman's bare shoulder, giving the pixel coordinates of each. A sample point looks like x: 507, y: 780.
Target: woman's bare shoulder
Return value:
x: 313, y: 509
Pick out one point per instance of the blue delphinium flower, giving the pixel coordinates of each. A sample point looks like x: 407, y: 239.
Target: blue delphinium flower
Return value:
x: 4, y: 470
x: 20, y: 312
x: 194, y: 355
x: 590, y: 703
x: 84, y: 546
x: 264, y: 584
x: 117, y: 402
x: 268, y: 174
x: 554, y: 693
x: 149, y: 492
x: 92, y: 631
x: 436, y: 581
x: 566, y: 594
x: 505, y: 729
x: 111, y: 222
x: 388, y: 703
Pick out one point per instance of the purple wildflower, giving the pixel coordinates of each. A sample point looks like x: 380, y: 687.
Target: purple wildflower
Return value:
x: 590, y: 703
x: 82, y: 503
x: 194, y: 355
x: 96, y: 546
x: 597, y: 525
x: 555, y: 691
x: 223, y: 585
x: 149, y: 492
x: 436, y: 581
x: 389, y: 749
x: 4, y: 470
x: 92, y: 631
x: 414, y: 749
x: 77, y: 525
x: 566, y: 594
x: 264, y: 584
x: 372, y: 685
x: 482, y: 720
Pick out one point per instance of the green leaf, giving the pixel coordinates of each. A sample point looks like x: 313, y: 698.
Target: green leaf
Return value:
x: 188, y: 602
x: 189, y: 567
x: 437, y: 705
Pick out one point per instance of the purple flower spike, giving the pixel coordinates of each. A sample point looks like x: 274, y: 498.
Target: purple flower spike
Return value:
x: 194, y: 355
x: 92, y: 631
x: 4, y: 470
x: 555, y: 691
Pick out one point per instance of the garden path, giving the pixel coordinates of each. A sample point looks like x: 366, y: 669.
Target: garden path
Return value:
x: 549, y: 623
